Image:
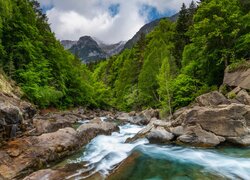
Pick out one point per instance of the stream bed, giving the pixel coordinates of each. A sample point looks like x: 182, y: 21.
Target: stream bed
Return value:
x: 159, y: 162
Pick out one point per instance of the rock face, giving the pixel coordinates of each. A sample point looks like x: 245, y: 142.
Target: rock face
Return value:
x: 89, y: 49
x: 67, y: 44
x: 210, y: 121
x: 239, y: 78
x: 24, y: 155
x: 15, y: 116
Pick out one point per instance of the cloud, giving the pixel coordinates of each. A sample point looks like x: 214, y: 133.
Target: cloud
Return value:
x: 108, y: 20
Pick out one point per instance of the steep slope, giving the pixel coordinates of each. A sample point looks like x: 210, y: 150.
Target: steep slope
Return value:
x: 112, y: 49
x: 147, y: 28
x: 88, y: 50
x: 67, y: 44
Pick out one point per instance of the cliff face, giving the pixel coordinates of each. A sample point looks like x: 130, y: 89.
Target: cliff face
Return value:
x: 15, y: 114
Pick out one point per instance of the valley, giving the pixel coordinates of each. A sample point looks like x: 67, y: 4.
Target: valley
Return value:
x: 172, y: 102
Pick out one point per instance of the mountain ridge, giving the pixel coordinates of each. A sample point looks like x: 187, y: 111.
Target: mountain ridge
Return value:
x: 95, y: 49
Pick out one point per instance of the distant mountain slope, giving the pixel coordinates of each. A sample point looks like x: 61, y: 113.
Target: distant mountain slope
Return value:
x: 112, y: 49
x: 90, y: 49
x: 147, y: 28
x: 67, y: 44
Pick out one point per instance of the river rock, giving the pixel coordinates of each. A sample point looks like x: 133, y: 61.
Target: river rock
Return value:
x: 208, y: 122
x: 50, y: 125
x: 195, y: 135
x: 86, y: 132
x: 70, y: 171
x: 212, y: 99
x: 152, y: 128
x: 159, y: 135
x: 141, y: 118
x: 227, y: 120
x: 33, y: 152
x: 243, y: 97
x: 24, y: 155
x: 125, y: 167
x: 244, y: 141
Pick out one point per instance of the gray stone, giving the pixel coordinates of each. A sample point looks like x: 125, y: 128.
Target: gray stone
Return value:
x: 212, y: 99
x: 243, y: 97
x: 159, y: 135
x: 239, y: 78
x: 197, y: 136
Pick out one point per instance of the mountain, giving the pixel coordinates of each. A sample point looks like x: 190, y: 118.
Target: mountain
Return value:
x: 147, y: 28
x: 112, y: 49
x: 67, y: 44
x: 90, y: 49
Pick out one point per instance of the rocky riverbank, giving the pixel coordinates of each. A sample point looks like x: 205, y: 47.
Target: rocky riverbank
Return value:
x: 211, y: 120
x: 26, y: 154
x: 32, y: 139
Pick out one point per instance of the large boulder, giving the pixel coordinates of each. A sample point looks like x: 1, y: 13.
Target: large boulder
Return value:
x: 195, y: 135
x: 86, y: 132
x: 159, y: 135
x: 208, y: 122
x: 240, y: 78
x: 223, y: 120
x: 212, y: 99
x: 29, y: 153
x: 24, y: 155
x: 243, y: 97
x: 10, y: 114
x: 50, y: 125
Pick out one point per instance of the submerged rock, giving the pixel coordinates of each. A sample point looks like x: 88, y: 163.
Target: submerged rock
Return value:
x: 69, y: 171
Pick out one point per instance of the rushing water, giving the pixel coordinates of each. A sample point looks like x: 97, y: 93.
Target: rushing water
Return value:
x: 158, y: 162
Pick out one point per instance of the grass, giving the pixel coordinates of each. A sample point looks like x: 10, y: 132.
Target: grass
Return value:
x: 240, y: 65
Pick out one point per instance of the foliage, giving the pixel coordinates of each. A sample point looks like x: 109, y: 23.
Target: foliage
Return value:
x: 238, y: 65
x: 167, y: 69
x: 30, y: 54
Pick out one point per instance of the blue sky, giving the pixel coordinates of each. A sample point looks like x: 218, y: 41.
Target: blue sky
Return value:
x: 108, y: 20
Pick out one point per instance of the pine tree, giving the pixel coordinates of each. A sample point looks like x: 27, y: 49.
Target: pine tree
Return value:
x: 180, y: 38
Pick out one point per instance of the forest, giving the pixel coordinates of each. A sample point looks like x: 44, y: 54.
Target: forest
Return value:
x: 166, y: 69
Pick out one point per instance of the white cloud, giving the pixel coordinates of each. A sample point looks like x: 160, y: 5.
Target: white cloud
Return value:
x: 71, y: 19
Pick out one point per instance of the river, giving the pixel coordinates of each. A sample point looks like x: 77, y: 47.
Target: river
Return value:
x: 160, y: 162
